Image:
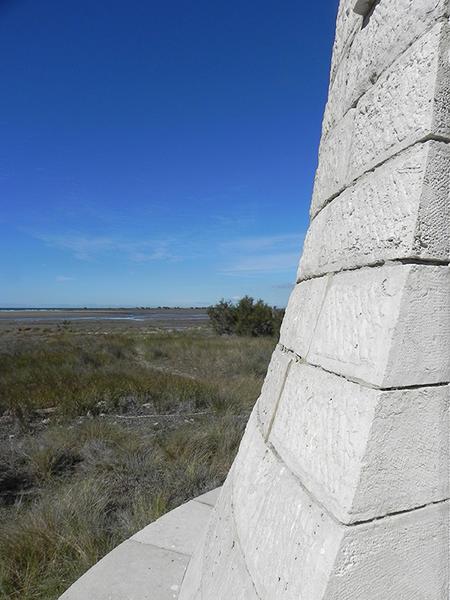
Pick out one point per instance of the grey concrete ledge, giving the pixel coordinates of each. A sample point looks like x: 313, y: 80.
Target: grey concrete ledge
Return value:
x: 152, y: 563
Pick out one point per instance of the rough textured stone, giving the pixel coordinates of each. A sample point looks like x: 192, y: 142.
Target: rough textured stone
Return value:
x: 294, y: 549
x: 348, y: 24
x: 403, y: 557
x: 363, y: 453
x: 273, y: 386
x: 386, y: 326
x: 374, y: 48
x: 419, y: 352
x: 400, y: 210
x: 405, y: 105
x: 332, y: 174
x: 289, y: 542
x: 222, y: 547
x: 303, y: 310
x: 396, y: 112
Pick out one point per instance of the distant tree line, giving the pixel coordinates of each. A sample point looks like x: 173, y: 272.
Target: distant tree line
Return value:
x: 246, y: 317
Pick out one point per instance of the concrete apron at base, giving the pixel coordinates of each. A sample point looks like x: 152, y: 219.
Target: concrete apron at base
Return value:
x: 150, y: 565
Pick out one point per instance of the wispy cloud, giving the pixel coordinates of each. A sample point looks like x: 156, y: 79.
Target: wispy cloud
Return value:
x: 64, y: 278
x: 267, y: 263
x: 85, y: 247
x: 260, y: 243
x: 263, y: 254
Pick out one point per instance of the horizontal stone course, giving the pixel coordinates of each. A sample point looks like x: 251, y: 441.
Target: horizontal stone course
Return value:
x: 408, y: 103
x: 371, y: 50
x: 294, y: 549
x: 385, y: 326
x: 398, y: 211
x: 363, y: 453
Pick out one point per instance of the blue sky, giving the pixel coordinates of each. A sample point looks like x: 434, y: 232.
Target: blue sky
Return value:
x: 157, y: 153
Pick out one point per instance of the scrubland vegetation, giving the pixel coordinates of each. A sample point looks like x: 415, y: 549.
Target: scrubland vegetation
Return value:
x: 246, y: 317
x: 101, y: 434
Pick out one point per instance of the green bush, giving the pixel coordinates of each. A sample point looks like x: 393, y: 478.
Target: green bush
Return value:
x: 246, y: 318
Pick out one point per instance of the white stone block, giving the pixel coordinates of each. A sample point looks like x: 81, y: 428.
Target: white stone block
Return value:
x: 386, y: 326
x: 273, y: 387
x: 361, y: 452
x: 224, y: 571
x: 334, y: 153
x: 403, y: 557
x: 294, y: 549
x: 408, y: 103
x: 400, y: 210
x: 348, y: 24
x: 302, y: 313
x: 289, y: 543
x: 374, y: 48
x: 420, y: 348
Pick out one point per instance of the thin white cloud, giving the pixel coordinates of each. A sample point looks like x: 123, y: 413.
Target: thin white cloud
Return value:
x: 258, y: 243
x: 85, y: 247
x: 266, y: 263
x: 263, y: 254
x: 82, y: 247
x: 64, y: 278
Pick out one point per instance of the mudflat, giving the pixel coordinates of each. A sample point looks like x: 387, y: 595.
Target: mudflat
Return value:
x: 161, y: 318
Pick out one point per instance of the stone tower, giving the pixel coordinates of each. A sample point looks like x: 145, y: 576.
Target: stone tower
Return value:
x: 340, y: 490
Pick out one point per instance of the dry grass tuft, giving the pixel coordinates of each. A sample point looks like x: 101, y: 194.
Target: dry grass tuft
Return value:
x: 77, y: 480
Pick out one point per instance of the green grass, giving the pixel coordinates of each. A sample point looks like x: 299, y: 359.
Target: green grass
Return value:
x: 77, y: 480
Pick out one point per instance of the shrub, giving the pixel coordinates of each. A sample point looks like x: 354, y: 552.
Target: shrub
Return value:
x: 246, y: 318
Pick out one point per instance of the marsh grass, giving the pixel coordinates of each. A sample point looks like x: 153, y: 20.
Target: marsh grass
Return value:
x: 78, y: 480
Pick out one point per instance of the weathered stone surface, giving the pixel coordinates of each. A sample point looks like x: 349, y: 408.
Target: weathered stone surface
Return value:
x: 362, y: 452
x: 332, y: 174
x: 396, y: 112
x: 294, y: 549
x: 348, y: 24
x: 288, y: 541
x: 133, y: 571
x: 408, y: 103
x: 273, y: 386
x: 303, y: 310
x: 178, y: 529
x: 374, y: 48
x: 387, y: 326
x: 420, y: 350
x: 400, y: 210
x: 225, y: 573
x: 403, y: 557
